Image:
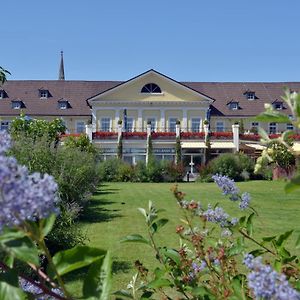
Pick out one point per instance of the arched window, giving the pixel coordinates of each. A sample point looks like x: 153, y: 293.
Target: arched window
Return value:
x: 151, y: 88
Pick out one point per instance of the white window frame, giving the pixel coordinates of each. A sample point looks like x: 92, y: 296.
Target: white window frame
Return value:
x: 278, y: 103
x: 44, y: 94
x: 109, y: 126
x: 272, y: 126
x: 16, y: 105
x: 153, y: 126
x: 172, y: 118
x: 63, y: 105
x: 251, y: 96
x: 290, y: 126
x: 198, y: 125
x: 217, y: 125
x: 234, y: 105
x: 80, y: 122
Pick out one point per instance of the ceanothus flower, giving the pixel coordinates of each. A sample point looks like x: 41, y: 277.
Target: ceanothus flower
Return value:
x: 266, y: 283
x: 5, y: 141
x: 217, y: 215
x: 227, y: 185
x: 245, y: 200
x: 23, y: 196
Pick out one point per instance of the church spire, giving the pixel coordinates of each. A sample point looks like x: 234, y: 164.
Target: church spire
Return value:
x: 61, y: 75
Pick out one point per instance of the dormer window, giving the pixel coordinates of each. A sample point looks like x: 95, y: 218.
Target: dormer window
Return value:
x: 278, y: 105
x: 250, y: 95
x: 2, y: 94
x: 63, y: 104
x: 151, y: 88
x: 44, y: 94
x: 233, y: 105
x: 17, y: 104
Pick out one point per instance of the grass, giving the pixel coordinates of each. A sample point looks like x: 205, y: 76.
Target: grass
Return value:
x: 112, y: 214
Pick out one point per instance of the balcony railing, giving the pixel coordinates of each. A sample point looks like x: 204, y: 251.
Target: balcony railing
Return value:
x: 105, y: 135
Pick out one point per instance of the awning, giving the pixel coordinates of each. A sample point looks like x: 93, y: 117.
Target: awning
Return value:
x: 193, y: 145
x: 222, y: 145
x: 256, y: 146
x: 296, y: 147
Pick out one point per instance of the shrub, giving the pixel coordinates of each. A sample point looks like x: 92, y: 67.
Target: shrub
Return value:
x: 125, y: 172
x: 109, y: 169
x: 81, y: 142
x: 154, y: 170
x: 140, y: 172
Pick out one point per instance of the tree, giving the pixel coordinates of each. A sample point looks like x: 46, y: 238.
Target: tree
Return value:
x: 3, y: 74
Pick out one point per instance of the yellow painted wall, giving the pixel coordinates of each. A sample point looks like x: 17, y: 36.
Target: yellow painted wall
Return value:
x: 170, y: 91
x: 106, y: 114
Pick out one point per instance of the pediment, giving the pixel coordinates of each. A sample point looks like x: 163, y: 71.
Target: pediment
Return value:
x: 131, y: 90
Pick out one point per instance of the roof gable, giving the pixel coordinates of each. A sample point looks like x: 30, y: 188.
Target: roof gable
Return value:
x: 134, y: 90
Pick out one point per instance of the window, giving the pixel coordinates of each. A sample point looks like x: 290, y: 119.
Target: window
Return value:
x: 17, y: 104
x: 289, y: 126
x: 220, y: 126
x: 80, y: 126
x: 277, y: 105
x: 152, y: 121
x: 233, y: 105
x: 272, y: 128
x: 4, y: 125
x: 2, y: 94
x: 63, y: 104
x: 129, y: 126
x: 251, y: 96
x: 105, y: 124
x: 196, y: 124
x: 172, y: 124
x: 151, y: 88
x: 44, y: 94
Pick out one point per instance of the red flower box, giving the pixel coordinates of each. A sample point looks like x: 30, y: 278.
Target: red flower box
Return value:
x: 192, y: 135
x: 221, y: 135
x: 250, y: 137
x: 105, y: 135
x: 134, y: 135
x: 163, y: 135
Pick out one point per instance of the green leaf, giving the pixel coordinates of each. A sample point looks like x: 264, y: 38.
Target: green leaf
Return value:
x: 269, y: 238
x: 142, y: 211
x: 136, y: 238
x: 9, y: 261
x: 249, y: 225
x: 293, y: 184
x: 277, y: 266
x: 146, y: 295
x: 283, y: 237
x: 157, y: 225
x: 159, y: 273
x: 203, y: 292
x: 159, y: 283
x: 273, y: 116
x: 75, y: 258
x: 19, y: 246
x: 48, y: 224
x: 171, y: 254
x: 284, y: 253
x: 257, y: 252
x: 98, y: 280
x: 297, y: 245
x: 242, y: 221
x: 123, y: 293
x: 238, y: 286
x: 9, y: 286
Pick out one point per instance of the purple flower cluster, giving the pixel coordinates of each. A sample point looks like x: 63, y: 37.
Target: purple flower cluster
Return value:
x: 219, y: 216
x: 265, y: 283
x: 228, y: 187
x: 5, y: 142
x: 23, y: 196
x: 36, y: 291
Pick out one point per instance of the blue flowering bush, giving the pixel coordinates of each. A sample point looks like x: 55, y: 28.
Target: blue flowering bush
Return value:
x: 213, y: 260
x: 29, y: 207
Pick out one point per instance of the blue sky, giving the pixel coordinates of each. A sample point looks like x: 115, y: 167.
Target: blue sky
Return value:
x: 193, y: 40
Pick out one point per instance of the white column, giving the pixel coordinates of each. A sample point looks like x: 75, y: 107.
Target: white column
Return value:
x: 184, y: 120
x: 89, y: 131
x: 235, y: 131
x: 201, y: 126
x: 177, y: 130
x: 162, y: 120
x: 206, y: 129
x: 117, y: 118
x: 140, y: 120
x: 94, y: 120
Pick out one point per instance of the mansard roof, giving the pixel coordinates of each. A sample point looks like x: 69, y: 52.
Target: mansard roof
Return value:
x: 77, y: 92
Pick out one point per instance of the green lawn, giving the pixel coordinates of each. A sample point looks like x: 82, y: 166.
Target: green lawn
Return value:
x: 113, y: 214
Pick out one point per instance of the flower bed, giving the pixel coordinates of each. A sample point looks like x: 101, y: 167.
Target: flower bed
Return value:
x: 134, y: 135
x: 221, y: 135
x: 105, y: 135
x: 192, y: 135
x: 163, y: 135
